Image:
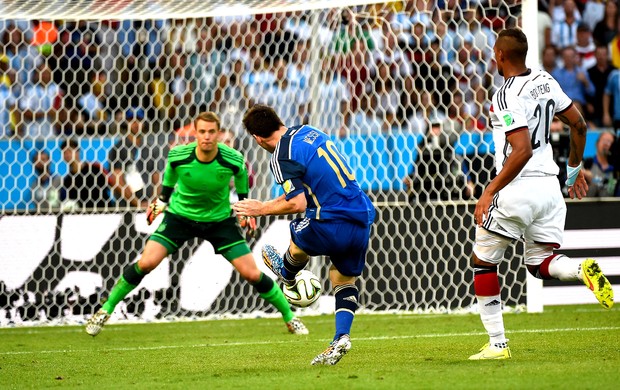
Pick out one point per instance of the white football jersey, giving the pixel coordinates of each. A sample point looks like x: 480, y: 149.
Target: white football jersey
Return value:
x: 529, y: 100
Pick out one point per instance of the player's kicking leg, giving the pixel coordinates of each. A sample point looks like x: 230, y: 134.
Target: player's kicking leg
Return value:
x: 594, y: 279
x: 287, y: 266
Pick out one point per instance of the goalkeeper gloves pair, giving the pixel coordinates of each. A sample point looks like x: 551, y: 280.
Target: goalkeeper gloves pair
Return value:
x: 158, y: 206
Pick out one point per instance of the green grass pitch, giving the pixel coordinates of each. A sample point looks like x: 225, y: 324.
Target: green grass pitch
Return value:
x: 563, y: 348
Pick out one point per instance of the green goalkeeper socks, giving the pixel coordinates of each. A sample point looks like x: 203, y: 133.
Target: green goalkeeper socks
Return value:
x: 118, y: 293
x: 128, y: 281
x: 270, y: 292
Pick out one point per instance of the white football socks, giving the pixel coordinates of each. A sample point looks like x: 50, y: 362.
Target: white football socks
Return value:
x: 490, y: 309
x: 564, y: 268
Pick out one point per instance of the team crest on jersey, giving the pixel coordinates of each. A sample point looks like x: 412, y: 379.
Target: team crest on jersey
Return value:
x: 288, y: 186
x: 508, y: 119
x: 311, y: 137
x: 222, y: 174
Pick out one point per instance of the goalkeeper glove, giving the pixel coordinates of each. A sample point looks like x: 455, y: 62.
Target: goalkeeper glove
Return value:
x: 250, y: 223
x: 571, y: 174
x: 157, y: 207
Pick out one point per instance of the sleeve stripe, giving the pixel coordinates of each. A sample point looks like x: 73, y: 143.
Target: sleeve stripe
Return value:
x: 564, y: 110
x: 275, y: 167
x: 516, y: 130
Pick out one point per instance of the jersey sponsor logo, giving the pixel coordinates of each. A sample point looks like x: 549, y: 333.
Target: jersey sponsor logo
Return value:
x: 187, y: 174
x: 508, y: 119
x: 311, y: 137
x: 288, y: 186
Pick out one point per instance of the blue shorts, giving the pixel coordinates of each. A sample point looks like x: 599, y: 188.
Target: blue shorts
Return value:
x: 345, y: 243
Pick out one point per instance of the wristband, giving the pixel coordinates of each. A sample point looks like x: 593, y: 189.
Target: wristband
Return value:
x: 571, y: 173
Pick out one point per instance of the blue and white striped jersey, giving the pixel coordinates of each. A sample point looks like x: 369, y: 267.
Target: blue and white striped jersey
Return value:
x: 306, y: 160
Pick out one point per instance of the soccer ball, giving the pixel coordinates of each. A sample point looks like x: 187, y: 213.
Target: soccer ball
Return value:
x: 305, y: 291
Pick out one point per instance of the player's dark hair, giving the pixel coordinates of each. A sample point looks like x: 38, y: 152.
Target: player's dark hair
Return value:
x: 262, y: 121
x: 209, y: 116
x: 516, y: 48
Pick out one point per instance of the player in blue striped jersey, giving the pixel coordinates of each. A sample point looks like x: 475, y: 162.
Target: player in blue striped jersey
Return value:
x: 338, y: 215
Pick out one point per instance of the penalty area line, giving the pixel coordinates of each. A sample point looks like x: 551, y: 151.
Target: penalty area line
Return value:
x: 236, y: 344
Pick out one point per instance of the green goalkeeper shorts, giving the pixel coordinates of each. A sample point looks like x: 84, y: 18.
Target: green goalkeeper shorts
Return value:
x: 226, y: 236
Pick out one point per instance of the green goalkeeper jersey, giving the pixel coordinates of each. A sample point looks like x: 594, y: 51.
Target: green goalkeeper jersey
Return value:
x: 202, y: 190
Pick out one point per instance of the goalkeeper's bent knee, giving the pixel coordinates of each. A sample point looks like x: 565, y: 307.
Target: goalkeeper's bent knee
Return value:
x: 133, y: 274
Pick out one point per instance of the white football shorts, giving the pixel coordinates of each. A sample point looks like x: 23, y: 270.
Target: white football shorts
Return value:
x: 529, y: 207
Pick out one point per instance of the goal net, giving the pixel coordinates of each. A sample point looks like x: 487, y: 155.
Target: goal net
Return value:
x: 402, y: 87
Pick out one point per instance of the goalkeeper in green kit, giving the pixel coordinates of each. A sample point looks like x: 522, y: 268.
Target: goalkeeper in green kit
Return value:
x: 195, y: 195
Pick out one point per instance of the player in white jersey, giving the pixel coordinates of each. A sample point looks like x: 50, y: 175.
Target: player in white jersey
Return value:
x: 524, y: 200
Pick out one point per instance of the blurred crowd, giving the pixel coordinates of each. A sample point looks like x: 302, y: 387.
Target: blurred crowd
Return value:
x: 413, y: 67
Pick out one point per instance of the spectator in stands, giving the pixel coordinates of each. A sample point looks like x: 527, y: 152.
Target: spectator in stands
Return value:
x: 459, y: 115
x: 388, y: 95
x: 574, y: 81
x: 95, y: 105
x: 437, y: 175
x: 22, y: 58
x: 137, y: 162
x: 77, y: 53
x: 605, y: 30
x: 204, y: 65
x: 598, y: 171
x: 545, y: 25
x: 8, y: 105
x: 446, y: 34
x: 585, y: 47
x: 366, y: 120
x: 231, y: 96
x: 499, y: 14
x: 549, y: 59
x: 469, y: 68
x: 40, y: 105
x: 614, y: 46
x: 599, y: 74
x: 172, y: 90
x: 593, y: 12
x: 349, y: 32
x: 425, y: 113
x: 142, y: 44
x: 611, y: 101
x: 45, y: 188
x: 86, y: 183
x: 564, y: 32
x: 483, y: 38
x: 333, y: 101
x: 285, y: 97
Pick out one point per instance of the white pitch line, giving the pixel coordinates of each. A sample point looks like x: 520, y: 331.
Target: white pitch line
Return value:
x: 233, y: 344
